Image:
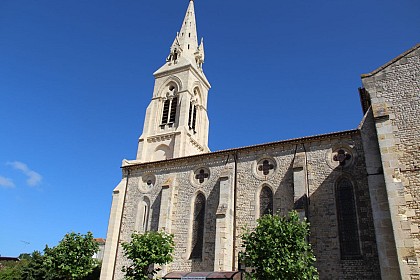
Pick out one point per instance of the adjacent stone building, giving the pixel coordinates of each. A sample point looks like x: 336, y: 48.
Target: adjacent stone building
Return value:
x: 360, y: 188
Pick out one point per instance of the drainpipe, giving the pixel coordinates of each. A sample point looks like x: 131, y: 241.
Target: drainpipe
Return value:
x: 235, y: 183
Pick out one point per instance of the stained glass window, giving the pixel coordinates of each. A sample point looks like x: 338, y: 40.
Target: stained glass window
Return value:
x: 198, y: 227
x: 347, y: 219
x: 266, y: 201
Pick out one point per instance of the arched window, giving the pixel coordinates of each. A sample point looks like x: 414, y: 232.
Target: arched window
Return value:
x: 174, y: 104
x: 165, y: 112
x: 266, y: 201
x: 169, y: 111
x: 162, y: 152
x: 143, y: 209
x: 192, y: 114
x: 169, y: 106
x: 347, y: 219
x: 198, y: 227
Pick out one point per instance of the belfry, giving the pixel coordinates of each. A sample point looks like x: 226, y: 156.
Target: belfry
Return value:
x: 176, y: 122
x: 359, y: 188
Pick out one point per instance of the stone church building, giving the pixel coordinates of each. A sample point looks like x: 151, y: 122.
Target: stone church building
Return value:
x: 360, y: 188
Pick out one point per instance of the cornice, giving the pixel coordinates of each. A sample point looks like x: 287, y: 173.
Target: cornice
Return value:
x: 198, y: 74
x: 245, y: 149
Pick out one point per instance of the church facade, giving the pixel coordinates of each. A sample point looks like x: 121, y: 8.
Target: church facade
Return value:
x: 360, y: 189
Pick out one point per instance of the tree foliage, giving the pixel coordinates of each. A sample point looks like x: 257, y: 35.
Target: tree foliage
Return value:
x: 278, y: 249
x: 145, y: 251
x: 34, y: 269
x: 72, y: 257
x: 11, y: 270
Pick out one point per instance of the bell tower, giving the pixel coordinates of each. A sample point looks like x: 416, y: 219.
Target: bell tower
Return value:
x: 176, y: 122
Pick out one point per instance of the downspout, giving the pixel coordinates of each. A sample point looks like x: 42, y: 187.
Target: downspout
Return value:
x: 307, y: 182
x: 119, y: 231
x: 235, y: 183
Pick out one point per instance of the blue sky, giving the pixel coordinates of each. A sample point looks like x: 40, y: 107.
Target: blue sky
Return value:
x: 76, y: 78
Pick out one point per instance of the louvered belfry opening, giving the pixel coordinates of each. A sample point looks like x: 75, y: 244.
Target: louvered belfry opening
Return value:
x: 174, y: 105
x: 169, y: 111
x: 165, y: 112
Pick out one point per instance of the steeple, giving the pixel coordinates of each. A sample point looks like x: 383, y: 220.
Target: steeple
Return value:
x: 185, y: 45
x: 176, y: 122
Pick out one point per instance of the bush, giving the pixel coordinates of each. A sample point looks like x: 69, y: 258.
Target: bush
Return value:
x: 278, y: 249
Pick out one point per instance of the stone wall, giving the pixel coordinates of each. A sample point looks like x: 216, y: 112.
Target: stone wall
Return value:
x: 393, y: 91
x: 171, y: 187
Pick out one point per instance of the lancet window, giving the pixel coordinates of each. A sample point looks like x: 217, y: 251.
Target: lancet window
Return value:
x: 198, y: 227
x: 192, y: 113
x: 347, y: 219
x: 143, y: 210
x: 169, y: 107
x: 266, y: 201
x: 192, y: 117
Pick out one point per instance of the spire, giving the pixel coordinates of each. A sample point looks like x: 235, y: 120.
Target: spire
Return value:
x: 185, y: 44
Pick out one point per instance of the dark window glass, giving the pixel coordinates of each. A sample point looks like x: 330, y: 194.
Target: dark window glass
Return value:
x: 190, y: 115
x: 198, y: 227
x: 347, y: 219
x: 194, y: 117
x: 266, y: 201
x: 165, y: 112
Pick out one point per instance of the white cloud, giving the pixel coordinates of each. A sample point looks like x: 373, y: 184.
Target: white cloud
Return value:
x: 34, y: 178
x: 6, y: 182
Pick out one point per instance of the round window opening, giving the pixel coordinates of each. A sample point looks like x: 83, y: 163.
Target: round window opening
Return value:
x: 265, y: 167
x: 201, y: 175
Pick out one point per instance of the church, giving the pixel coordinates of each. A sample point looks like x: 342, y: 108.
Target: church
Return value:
x: 359, y: 189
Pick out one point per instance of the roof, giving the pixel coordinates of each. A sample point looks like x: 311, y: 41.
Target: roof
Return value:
x: 100, y: 240
x: 234, y: 150
x: 9, y: 259
x: 391, y: 62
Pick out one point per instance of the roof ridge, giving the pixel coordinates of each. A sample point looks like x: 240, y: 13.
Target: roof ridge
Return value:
x: 390, y: 62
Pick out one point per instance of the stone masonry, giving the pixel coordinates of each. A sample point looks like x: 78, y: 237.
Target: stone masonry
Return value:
x: 176, y: 176
x: 393, y: 91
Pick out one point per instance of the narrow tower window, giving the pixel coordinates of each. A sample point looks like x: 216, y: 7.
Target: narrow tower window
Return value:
x: 169, y: 107
x: 165, y: 111
x: 190, y: 115
x: 194, y: 117
x: 174, y: 104
x: 198, y: 227
x: 347, y: 219
x: 266, y: 201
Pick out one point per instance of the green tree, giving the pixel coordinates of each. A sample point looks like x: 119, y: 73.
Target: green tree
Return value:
x: 11, y: 270
x: 146, y: 250
x: 34, y: 269
x: 72, y: 257
x: 278, y: 249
